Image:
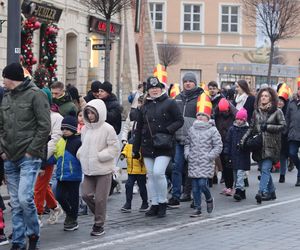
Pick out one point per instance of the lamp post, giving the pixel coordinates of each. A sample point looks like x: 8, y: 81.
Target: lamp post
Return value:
x: 13, y: 31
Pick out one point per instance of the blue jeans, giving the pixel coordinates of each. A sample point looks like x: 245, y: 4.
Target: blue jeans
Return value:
x: 266, y: 182
x: 293, y: 152
x: 239, y: 176
x: 200, y: 185
x: 178, y: 171
x: 157, y: 182
x: 21, y: 177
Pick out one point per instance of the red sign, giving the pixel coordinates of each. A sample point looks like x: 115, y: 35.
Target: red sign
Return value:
x: 99, y: 26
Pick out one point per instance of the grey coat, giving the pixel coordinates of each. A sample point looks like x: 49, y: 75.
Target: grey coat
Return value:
x: 293, y: 119
x: 202, y: 146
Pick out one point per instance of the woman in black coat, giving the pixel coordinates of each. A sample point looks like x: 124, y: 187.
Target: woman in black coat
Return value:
x: 158, y: 114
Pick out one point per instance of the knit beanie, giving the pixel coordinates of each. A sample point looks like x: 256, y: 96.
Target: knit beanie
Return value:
x: 106, y: 86
x: 70, y: 123
x: 242, y: 114
x: 189, y: 77
x: 13, y: 71
x: 153, y: 82
x: 95, y: 86
x: 223, y: 105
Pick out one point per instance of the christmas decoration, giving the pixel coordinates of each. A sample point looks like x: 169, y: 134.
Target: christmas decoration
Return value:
x: 49, y: 49
x: 41, y: 76
x: 27, y: 58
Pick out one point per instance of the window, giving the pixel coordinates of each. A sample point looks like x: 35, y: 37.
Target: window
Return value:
x: 230, y: 18
x: 156, y: 11
x: 192, y: 17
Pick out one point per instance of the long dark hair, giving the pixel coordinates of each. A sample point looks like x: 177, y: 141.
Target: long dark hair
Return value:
x: 273, y: 94
x: 244, y: 86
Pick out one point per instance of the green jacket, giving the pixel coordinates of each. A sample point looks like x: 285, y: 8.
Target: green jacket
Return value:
x: 24, y: 121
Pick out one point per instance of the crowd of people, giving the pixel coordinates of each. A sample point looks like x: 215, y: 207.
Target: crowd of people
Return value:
x: 59, y: 150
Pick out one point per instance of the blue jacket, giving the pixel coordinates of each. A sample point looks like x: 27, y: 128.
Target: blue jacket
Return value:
x: 240, y: 159
x: 68, y: 166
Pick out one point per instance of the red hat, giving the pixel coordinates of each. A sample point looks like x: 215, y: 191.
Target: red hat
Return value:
x: 223, y: 105
x: 242, y: 114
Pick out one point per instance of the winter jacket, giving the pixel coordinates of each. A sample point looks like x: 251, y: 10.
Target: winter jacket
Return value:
x: 100, y: 145
x: 163, y: 116
x: 249, y: 106
x: 66, y: 105
x: 114, y: 112
x: 187, y: 103
x: 293, y: 119
x: 134, y: 166
x: 24, y: 121
x: 240, y: 159
x: 68, y: 167
x: 55, y: 133
x: 202, y: 146
x: 89, y: 97
x: 275, y: 121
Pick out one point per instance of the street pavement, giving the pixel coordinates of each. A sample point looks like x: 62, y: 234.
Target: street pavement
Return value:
x: 232, y: 225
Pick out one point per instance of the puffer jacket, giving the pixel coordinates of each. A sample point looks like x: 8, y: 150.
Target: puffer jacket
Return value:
x: 202, y: 146
x: 134, y: 166
x: 240, y: 159
x: 24, y: 121
x: 275, y: 121
x: 66, y: 105
x: 163, y: 116
x: 100, y: 144
x: 293, y: 119
x: 187, y: 103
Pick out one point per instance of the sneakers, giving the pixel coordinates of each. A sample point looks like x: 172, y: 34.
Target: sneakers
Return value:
x: 70, y: 224
x: 97, y: 230
x: 40, y: 220
x: 33, y: 240
x: 54, y: 215
x: 197, y: 213
x: 173, y: 203
x: 210, y: 205
x: 3, y: 240
x: 144, y: 207
x: 126, y: 208
x: 227, y: 191
x: 17, y: 247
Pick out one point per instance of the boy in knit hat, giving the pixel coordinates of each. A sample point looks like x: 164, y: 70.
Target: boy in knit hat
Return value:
x: 240, y: 158
x: 203, y: 145
x: 68, y: 172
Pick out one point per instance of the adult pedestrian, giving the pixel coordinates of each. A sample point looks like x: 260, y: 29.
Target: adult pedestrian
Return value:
x: 187, y: 103
x: 76, y: 98
x: 267, y: 123
x: 24, y: 128
x: 293, y: 128
x: 93, y: 92
x: 63, y: 99
x: 158, y: 118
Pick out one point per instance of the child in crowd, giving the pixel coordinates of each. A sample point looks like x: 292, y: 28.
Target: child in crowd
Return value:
x: 68, y: 172
x: 240, y: 158
x: 80, y: 121
x: 203, y: 145
x: 136, y: 173
x: 100, y: 146
x: 3, y: 239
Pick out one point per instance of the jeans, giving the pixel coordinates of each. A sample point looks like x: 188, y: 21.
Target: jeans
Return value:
x: 21, y: 177
x: 141, y: 181
x: 283, y: 164
x: 157, y: 181
x: 200, y: 185
x: 178, y: 171
x: 293, y: 152
x: 239, y: 176
x: 266, y: 182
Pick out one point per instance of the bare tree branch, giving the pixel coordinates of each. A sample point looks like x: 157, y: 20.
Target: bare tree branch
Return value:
x: 169, y: 54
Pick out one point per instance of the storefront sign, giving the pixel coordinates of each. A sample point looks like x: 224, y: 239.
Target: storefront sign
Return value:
x: 99, y: 26
x: 99, y: 46
x: 41, y: 11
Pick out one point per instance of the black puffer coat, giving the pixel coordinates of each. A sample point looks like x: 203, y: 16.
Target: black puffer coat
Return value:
x: 164, y: 116
x: 293, y: 119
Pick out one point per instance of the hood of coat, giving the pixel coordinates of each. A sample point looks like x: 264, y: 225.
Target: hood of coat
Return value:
x: 200, y: 125
x: 99, y: 106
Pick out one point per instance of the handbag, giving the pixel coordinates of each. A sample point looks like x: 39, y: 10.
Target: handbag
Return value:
x: 254, y: 142
x: 161, y: 140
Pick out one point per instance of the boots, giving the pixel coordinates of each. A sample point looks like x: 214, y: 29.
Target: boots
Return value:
x: 281, y: 178
x: 162, y: 207
x: 243, y: 194
x: 237, y: 196
x: 153, y: 211
x: 33, y: 239
x: 298, y: 182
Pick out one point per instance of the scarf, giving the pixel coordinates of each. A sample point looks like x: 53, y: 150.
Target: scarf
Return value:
x: 241, y: 100
x: 265, y: 107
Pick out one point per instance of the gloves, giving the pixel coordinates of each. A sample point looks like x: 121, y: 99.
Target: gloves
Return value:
x: 136, y: 155
x: 263, y: 127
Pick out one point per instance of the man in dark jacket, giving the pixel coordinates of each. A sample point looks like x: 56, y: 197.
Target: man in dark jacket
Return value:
x: 187, y: 103
x: 114, y: 109
x: 293, y: 128
x: 93, y: 93
x: 24, y: 129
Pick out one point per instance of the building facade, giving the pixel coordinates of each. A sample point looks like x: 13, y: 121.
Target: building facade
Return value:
x: 217, y: 44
